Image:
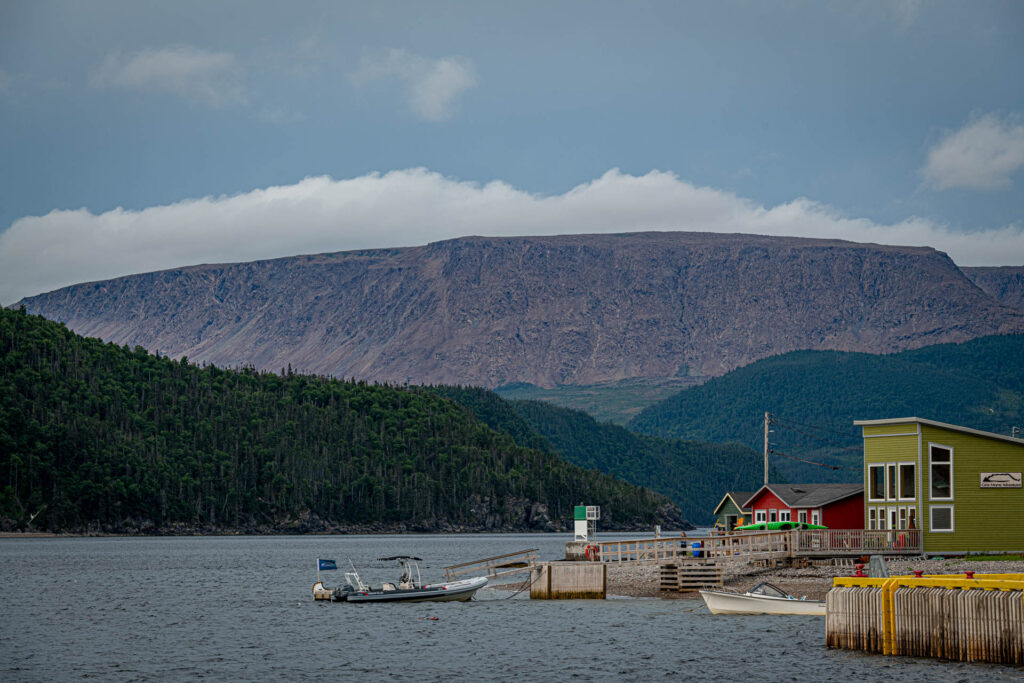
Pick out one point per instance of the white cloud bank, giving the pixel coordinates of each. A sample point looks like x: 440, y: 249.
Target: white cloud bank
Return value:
x: 432, y: 85
x: 212, y: 78
x: 416, y: 206
x: 980, y: 156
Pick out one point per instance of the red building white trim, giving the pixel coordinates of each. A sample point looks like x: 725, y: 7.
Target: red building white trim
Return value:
x: 837, y: 506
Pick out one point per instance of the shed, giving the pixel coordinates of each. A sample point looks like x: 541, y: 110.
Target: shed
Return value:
x: 730, y: 512
x: 960, y: 486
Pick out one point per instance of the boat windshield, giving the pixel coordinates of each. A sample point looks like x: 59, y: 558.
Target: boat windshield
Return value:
x: 768, y: 590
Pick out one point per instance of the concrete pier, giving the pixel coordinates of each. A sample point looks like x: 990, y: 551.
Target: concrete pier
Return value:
x: 569, y: 581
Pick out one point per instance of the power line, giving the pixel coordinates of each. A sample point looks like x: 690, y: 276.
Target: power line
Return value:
x: 795, y: 426
x: 811, y: 462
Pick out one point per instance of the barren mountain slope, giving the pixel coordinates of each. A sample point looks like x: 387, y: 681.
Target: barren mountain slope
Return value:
x: 576, y: 309
x: 1005, y: 284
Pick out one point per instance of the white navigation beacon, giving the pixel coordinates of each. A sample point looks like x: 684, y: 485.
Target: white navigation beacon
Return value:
x: 586, y: 517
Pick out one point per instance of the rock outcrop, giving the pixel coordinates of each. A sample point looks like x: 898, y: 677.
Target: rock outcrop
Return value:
x: 576, y: 309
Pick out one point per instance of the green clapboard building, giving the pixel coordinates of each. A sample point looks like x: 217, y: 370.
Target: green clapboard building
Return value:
x: 730, y: 512
x: 961, y: 487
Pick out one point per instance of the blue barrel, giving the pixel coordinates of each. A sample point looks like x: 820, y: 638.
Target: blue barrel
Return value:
x: 696, y: 544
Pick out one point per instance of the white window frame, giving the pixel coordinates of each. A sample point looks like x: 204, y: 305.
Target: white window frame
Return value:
x: 872, y: 519
x: 816, y: 517
x: 871, y: 480
x: 785, y: 516
x: 760, y: 516
x: 952, y: 492
x: 892, y: 477
x: 801, y: 516
x: 883, y: 518
x: 952, y: 519
x: 899, y: 480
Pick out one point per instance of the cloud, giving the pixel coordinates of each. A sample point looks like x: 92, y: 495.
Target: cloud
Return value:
x: 432, y: 85
x: 980, y: 156
x: 212, y: 78
x: 415, y: 206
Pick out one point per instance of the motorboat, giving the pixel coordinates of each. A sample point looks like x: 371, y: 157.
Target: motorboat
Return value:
x: 764, y: 598
x: 409, y: 588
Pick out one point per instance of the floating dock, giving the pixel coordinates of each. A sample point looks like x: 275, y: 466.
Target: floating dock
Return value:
x: 972, y: 618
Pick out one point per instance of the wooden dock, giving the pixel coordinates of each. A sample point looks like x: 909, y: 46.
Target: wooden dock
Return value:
x: 976, y: 618
x: 760, y: 545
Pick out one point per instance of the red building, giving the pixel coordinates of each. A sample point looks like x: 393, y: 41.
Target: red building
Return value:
x: 837, y: 506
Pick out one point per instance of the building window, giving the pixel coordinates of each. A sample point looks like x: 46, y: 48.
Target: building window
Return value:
x: 785, y: 516
x: 942, y: 518
x: 912, y: 524
x: 872, y: 519
x: 903, y: 518
x: 815, y: 517
x: 907, y: 479
x: 773, y: 516
x: 941, y: 472
x: 801, y: 516
x: 759, y: 516
x: 890, y: 482
x: 876, y: 482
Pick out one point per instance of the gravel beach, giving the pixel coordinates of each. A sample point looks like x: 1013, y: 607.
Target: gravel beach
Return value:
x: 641, y: 580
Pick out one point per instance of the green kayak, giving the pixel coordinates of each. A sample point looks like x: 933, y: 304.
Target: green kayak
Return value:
x: 778, y: 526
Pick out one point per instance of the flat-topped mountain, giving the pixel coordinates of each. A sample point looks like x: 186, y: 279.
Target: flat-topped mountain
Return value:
x: 573, y: 309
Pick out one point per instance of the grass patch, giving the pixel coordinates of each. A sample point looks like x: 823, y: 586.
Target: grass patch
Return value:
x: 1018, y: 557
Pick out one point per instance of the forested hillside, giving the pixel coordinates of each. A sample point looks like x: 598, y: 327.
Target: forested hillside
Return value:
x: 693, y: 474
x: 97, y: 436
x: 816, y: 396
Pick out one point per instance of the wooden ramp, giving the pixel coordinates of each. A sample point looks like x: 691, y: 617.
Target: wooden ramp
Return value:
x: 495, y: 567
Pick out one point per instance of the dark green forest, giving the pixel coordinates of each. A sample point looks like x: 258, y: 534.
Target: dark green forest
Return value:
x: 693, y: 474
x: 94, y: 436
x: 816, y: 396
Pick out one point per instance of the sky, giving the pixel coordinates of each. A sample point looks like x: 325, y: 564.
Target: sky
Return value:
x: 138, y: 136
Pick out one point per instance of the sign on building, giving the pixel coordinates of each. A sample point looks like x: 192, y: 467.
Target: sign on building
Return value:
x: 1000, y: 480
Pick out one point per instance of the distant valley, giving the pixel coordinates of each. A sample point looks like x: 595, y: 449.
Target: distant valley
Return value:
x: 816, y: 396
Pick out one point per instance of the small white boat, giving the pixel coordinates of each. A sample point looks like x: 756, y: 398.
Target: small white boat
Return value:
x: 764, y: 598
x: 408, y: 589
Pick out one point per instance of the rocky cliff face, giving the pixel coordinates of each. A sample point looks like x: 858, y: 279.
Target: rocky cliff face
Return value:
x: 1005, y: 284
x: 574, y: 309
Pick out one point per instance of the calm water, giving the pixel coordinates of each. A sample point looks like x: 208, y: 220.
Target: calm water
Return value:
x: 241, y: 608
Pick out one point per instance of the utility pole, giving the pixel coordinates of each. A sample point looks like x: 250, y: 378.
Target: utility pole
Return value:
x: 767, y: 421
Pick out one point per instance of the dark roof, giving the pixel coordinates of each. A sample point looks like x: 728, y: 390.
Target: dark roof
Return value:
x: 738, y: 497
x: 810, y: 495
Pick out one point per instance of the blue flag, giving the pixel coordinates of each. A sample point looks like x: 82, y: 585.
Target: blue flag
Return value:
x: 324, y: 565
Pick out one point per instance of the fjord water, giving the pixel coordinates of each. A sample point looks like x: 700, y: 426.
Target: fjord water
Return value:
x: 240, y: 608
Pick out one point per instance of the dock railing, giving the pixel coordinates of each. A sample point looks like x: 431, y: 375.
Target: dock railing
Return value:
x: 760, y: 545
